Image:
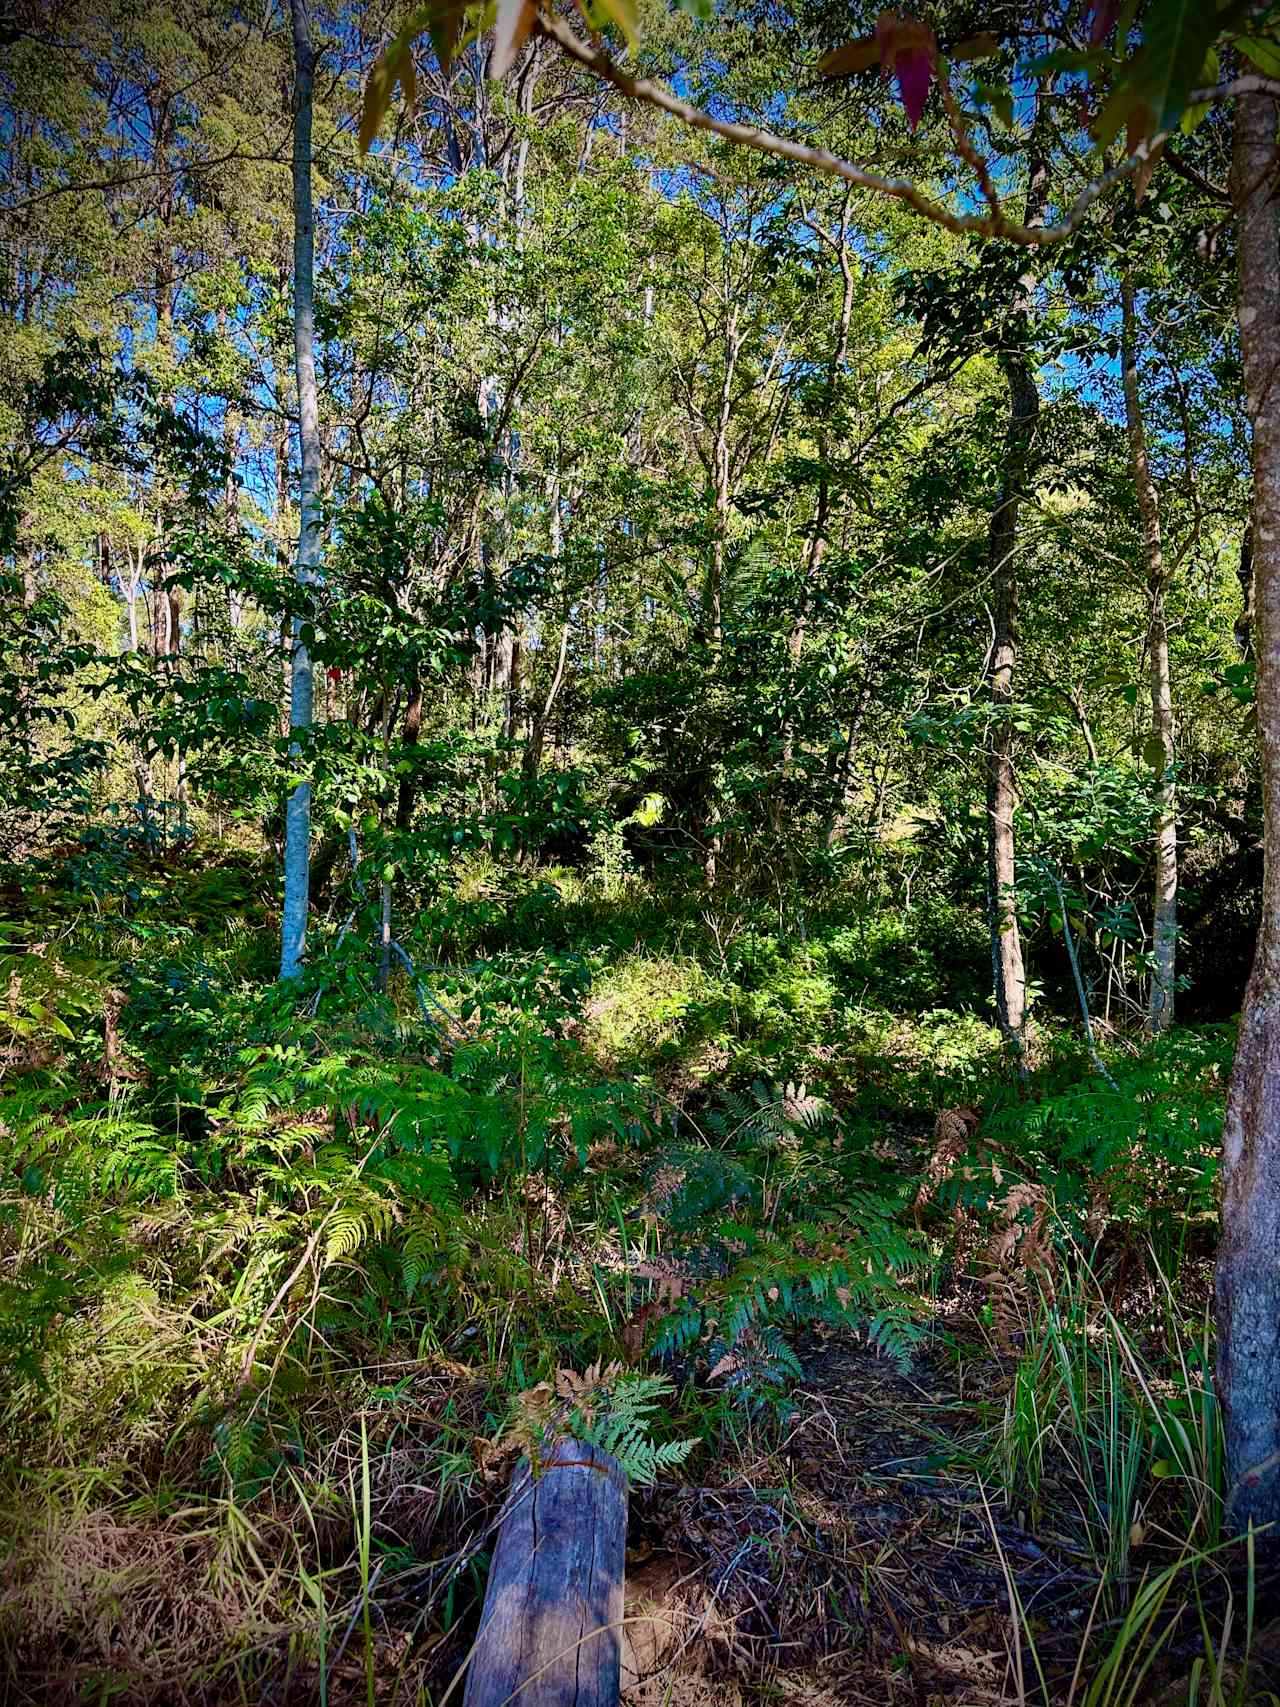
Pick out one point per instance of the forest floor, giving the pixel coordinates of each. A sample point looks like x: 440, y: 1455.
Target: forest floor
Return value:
x: 878, y: 1571
x: 279, y: 1294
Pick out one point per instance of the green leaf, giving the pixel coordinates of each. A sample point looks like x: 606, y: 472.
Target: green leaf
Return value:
x: 980, y: 45
x: 1208, y: 76
x: 1264, y: 54
x: 1177, y: 35
x: 619, y: 12
x: 999, y: 98
x: 442, y: 22
x: 444, y: 28
x: 377, y: 98
x: 1117, y: 111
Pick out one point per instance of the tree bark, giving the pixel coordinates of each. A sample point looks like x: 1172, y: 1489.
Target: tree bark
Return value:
x: 1008, y: 973
x: 297, y: 854
x: 842, y: 799
x: 1164, y: 917
x: 549, y: 1632
x: 1244, y: 572
x: 1248, y: 1272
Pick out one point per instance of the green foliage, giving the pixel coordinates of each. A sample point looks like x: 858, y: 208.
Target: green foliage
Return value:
x: 616, y: 1411
x: 648, y: 928
x: 1142, y: 1156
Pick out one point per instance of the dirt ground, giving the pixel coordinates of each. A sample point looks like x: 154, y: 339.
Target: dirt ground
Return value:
x: 872, y: 1570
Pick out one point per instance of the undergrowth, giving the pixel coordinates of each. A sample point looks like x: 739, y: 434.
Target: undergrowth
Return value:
x: 288, y: 1282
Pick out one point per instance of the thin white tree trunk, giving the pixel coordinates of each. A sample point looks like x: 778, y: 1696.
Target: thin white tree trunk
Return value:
x: 1008, y: 970
x: 1164, y: 923
x: 297, y: 848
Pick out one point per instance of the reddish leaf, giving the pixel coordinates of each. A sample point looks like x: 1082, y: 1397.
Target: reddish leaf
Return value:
x: 445, y: 26
x: 909, y: 51
x: 377, y: 98
x: 914, y: 71
x: 1139, y: 127
x: 395, y: 65
x: 1122, y: 106
x: 409, y: 84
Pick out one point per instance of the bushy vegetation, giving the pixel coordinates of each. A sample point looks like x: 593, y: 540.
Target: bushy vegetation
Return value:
x: 666, y: 852
x: 282, y: 1264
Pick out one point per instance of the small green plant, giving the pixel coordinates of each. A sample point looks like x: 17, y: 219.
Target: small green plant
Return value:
x: 609, y: 1407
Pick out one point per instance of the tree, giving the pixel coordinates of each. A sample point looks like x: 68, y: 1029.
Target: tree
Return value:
x: 1164, y: 916
x: 1172, y: 73
x: 1248, y: 1271
x: 1008, y: 972
x: 297, y: 850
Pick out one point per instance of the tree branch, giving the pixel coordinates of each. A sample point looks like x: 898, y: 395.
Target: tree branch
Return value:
x: 994, y: 223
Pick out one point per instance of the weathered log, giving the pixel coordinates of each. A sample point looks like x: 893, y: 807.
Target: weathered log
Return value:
x: 550, y: 1629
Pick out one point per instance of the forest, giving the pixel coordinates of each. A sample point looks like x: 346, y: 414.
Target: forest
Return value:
x: 640, y: 805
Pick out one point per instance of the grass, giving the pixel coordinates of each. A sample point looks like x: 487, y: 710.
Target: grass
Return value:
x: 272, y: 1298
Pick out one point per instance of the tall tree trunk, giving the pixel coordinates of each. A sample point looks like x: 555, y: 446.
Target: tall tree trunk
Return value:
x: 1008, y: 974
x: 282, y: 531
x: 1164, y: 919
x: 513, y: 722
x: 297, y: 842
x: 167, y: 603
x: 838, y: 243
x: 713, y: 592
x: 1244, y: 573
x: 410, y: 732
x: 540, y: 718
x: 540, y: 715
x: 842, y: 799
x: 722, y: 485
x: 1248, y: 1273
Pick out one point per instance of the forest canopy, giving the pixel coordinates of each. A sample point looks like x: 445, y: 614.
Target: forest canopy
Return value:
x: 638, y: 799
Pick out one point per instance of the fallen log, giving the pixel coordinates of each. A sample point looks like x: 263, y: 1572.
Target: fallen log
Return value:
x: 551, y: 1626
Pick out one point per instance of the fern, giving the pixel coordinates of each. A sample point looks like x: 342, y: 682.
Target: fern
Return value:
x: 756, y: 1366
x: 620, y: 1422
x: 612, y: 1408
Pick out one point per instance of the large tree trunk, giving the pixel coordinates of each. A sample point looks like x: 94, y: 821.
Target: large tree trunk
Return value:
x: 297, y: 850
x: 1248, y: 1275
x: 540, y: 716
x: 1008, y: 973
x: 722, y: 481
x: 1165, y: 906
